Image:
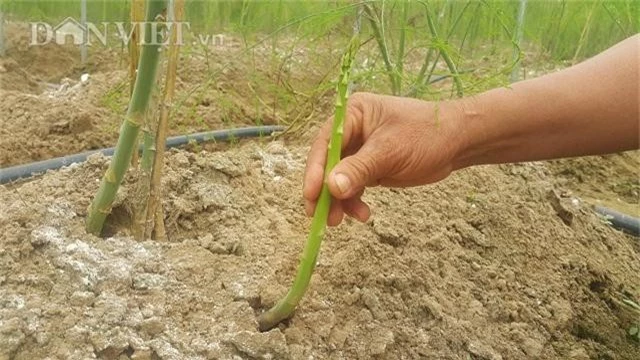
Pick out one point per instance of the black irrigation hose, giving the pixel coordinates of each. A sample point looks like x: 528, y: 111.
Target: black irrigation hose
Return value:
x: 624, y: 222
x: 618, y: 220
x: 14, y: 173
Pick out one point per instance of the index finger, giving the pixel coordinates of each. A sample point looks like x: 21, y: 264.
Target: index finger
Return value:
x: 317, y: 157
x: 316, y: 160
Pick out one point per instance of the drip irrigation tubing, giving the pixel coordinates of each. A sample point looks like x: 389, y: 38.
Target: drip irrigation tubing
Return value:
x: 618, y: 220
x: 624, y: 222
x: 18, y: 172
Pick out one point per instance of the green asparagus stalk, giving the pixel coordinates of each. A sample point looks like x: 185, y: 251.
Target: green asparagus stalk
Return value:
x: 101, y: 205
x: 137, y: 16
x: 285, y: 307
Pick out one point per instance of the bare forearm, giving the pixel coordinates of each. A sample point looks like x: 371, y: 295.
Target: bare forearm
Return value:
x: 590, y: 108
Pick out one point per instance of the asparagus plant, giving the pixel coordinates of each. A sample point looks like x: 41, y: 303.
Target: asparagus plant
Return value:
x: 285, y: 307
x: 143, y: 164
x: 145, y: 80
x: 155, y: 217
x: 136, y: 16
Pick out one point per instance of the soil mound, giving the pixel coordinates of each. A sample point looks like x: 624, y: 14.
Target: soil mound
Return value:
x: 493, y: 263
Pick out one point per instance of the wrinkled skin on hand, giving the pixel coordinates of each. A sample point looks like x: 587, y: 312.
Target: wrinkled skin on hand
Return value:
x: 389, y: 141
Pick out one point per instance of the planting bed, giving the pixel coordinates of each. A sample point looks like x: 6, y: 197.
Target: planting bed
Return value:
x: 496, y: 262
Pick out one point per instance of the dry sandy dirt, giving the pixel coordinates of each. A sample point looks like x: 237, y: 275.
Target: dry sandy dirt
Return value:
x: 496, y: 262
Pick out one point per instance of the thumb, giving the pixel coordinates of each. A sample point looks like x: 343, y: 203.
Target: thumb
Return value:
x: 354, y: 172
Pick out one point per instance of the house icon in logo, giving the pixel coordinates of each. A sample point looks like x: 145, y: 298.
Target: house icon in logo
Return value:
x: 70, y: 27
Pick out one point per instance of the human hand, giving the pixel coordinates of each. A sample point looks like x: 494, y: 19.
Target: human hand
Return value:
x: 389, y: 141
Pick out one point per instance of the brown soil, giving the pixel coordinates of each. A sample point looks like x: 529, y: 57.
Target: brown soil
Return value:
x: 46, y: 111
x: 497, y: 262
x: 611, y: 180
x: 480, y: 266
x: 29, y: 68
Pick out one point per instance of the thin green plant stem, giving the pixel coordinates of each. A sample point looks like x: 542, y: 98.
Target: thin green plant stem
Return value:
x: 141, y: 188
x: 212, y: 76
x: 444, y: 53
x: 495, y: 74
x: 141, y: 192
x: 455, y: 25
x: 519, y: 33
x: 420, y: 83
x: 384, y: 51
x: 155, y: 217
x: 401, y: 46
x: 285, y: 307
x: 443, y: 10
x: 508, y: 33
x: 555, y: 34
x: 136, y: 16
x: 145, y: 80
x: 433, y: 68
x: 585, y: 31
x: 150, y: 123
x: 148, y: 146
x: 457, y: 20
x: 417, y: 84
x: 472, y: 34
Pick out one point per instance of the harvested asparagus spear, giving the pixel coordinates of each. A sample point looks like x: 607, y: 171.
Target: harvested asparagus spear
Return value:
x: 285, y: 307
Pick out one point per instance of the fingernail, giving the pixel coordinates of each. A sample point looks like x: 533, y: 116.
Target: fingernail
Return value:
x: 343, y: 182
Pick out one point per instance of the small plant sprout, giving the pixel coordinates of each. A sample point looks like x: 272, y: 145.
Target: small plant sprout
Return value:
x: 285, y: 307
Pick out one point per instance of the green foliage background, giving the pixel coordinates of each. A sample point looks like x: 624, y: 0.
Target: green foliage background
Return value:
x: 555, y: 25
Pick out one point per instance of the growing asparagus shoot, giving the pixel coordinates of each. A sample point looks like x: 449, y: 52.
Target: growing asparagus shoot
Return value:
x: 285, y: 307
x: 137, y: 16
x: 145, y: 80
